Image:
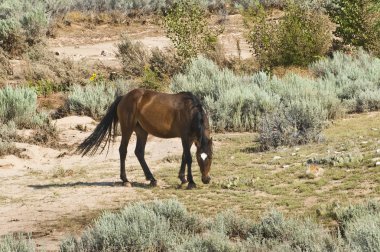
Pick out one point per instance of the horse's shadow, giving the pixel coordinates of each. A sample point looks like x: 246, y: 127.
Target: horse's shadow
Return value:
x: 88, y: 184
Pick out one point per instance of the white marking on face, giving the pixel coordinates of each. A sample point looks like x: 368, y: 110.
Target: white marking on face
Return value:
x: 204, y: 156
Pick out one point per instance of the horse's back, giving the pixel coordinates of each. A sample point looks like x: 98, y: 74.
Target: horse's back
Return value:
x: 160, y: 114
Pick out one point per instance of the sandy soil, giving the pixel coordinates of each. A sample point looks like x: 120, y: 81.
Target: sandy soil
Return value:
x: 99, y: 43
x: 52, y: 192
x: 48, y: 187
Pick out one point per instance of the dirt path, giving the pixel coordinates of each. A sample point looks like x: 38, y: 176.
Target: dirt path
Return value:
x: 99, y: 43
x: 51, y: 193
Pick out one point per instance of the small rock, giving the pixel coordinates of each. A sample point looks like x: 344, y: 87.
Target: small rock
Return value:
x: 293, y: 154
x: 232, y: 157
x: 276, y: 157
x: 375, y: 129
x: 57, y: 53
x: 297, y: 149
x: 378, y: 151
x: 285, y: 166
x: 103, y: 53
x: 364, y: 142
x: 377, y: 163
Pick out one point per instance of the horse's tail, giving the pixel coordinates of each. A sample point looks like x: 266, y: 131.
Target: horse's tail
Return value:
x: 105, y: 130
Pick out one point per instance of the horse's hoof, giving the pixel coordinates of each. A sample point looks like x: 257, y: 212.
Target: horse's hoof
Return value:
x: 191, y: 186
x: 127, y: 184
x: 153, y: 183
x: 183, y: 181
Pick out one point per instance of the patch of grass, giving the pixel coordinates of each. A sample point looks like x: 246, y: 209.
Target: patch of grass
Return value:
x: 250, y: 181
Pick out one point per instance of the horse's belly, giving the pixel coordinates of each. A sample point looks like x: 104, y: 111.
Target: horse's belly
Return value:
x: 161, y: 129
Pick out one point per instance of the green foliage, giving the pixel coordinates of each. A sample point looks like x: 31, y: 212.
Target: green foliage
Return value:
x: 302, y: 235
x: 91, y: 100
x: 187, y: 28
x: 357, y: 22
x: 210, y: 243
x: 231, y: 225
x: 353, y: 78
x: 156, y: 226
x: 21, y: 22
x: 363, y: 233
x: 296, y: 107
x: 18, y: 243
x: 94, y: 100
x: 167, y: 226
x: 20, y: 105
x: 299, y: 38
x: 44, y: 87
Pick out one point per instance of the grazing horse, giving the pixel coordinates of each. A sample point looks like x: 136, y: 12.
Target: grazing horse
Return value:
x: 162, y: 115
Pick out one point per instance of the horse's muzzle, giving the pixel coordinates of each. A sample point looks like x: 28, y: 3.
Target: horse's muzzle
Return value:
x: 206, y: 179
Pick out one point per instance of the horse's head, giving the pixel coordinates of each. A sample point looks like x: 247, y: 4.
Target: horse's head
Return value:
x: 204, y: 158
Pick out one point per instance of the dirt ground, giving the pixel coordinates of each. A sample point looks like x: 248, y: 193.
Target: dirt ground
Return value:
x: 99, y: 43
x: 48, y: 187
x: 50, y: 193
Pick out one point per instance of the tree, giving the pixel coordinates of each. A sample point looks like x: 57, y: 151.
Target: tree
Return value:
x: 186, y: 26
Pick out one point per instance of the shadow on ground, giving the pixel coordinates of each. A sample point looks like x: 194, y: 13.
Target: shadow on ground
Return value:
x: 88, y: 184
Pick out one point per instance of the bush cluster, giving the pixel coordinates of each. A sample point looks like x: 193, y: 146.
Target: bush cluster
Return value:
x: 354, y: 79
x: 153, y: 69
x: 20, y: 106
x: 94, y: 100
x: 22, y: 24
x: 358, y: 23
x: 182, y: 231
x: 287, y: 111
x: 168, y: 226
x: 299, y: 38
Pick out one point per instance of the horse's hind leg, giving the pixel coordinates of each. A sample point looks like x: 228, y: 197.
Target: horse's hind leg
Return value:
x: 142, y: 137
x: 126, y: 132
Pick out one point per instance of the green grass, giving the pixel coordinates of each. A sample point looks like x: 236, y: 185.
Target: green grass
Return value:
x: 250, y: 182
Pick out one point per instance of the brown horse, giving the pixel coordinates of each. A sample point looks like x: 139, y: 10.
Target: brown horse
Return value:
x: 162, y: 115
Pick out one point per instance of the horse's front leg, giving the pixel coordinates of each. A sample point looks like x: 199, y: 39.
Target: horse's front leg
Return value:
x: 188, y: 160
x: 181, y: 174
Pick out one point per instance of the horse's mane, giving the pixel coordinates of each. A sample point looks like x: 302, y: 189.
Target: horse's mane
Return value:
x: 198, y: 122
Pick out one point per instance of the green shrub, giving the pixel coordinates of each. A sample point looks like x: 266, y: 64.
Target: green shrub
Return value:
x: 353, y: 78
x: 233, y: 102
x: 21, y: 23
x: 19, y: 244
x: 230, y: 224
x: 91, y: 100
x: 20, y: 105
x: 299, y: 235
x: 357, y: 22
x: 209, y: 243
x: 187, y: 28
x: 156, y: 226
x: 299, y: 38
x: 345, y: 215
x: 363, y: 233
